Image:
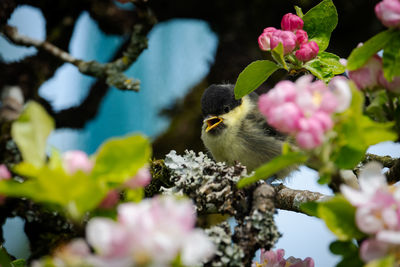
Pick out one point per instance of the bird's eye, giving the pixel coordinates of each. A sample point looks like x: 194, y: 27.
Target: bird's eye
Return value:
x: 226, y: 109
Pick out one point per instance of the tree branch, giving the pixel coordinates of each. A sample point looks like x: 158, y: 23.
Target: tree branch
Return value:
x: 393, y: 174
x: 112, y: 72
x: 291, y: 199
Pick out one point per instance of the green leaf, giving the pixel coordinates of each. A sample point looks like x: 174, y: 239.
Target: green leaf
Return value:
x: 391, y: 57
x: 388, y: 261
x: 325, y: 66
x: 339, y: 217
x: 342, y: 247
x: 74, y: 194
x: 356, y: 132
x: 299, y: 12
x: 19, y: 263
x: 310, y: 208
x: 360, y: 55
x: 319, y: 22
x: 375, y: 109
x: 30, y: 133
x: 278, y: 56
x: 351, y: 260
x: 5, y: 260
x: 253, y: 76
x: 273, y: 166
x: 349, y: 252
x: 119, y: 159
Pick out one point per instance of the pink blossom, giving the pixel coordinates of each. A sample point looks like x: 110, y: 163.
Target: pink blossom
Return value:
x: 371, y: 180
x: 307, y: 51
x: 340, y: 88
x: 276, y: 259
x: 75, y: 160
x: 285, y: 117
x: 302, y: 109
x: 388, y: 12
x: 287, y: 38
x: 141, y: 179
x: 264, y: 40
x: 75, y: 253
x: 4, y: 172
x: 153, y: 232
x: 393, y: 86
x: 4, y: 175
x: 368, y: 75
x: 372, y: 249
x: 110, y: 200
x: 291, y: 22
x: 378, y: 210
x: 301, y: 37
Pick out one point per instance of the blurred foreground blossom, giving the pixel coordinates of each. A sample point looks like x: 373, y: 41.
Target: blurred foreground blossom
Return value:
x: 75, y: 160
x: 153, y: 232
x: 388, y: 12
x: 141, y: 179
x: 304, y: 108
x: 275, y: 259
x: 378, y: 212
x: 4, y: 175
x: 4, y: 172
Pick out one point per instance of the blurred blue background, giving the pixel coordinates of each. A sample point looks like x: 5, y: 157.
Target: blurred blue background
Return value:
x: 179, y: 55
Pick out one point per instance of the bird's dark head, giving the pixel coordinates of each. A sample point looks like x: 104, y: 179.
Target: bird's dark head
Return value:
x: 218, y: 100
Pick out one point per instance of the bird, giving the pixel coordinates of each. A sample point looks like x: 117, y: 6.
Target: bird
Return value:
x: 234, y: 130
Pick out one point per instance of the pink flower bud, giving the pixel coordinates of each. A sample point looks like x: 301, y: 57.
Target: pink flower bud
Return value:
x: 367, y: 76
x: 75, y: 160
x: 141, y: 179
x: 291, y: 22
x: 110, y: 200
x: 265, y: 38
x: 307, y: 51
x: 301, y: 37
x: 388, y: 12
x: 4, y: 172
x: 287, y: 38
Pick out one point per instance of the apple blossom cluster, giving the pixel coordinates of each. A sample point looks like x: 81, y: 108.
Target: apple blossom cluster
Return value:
x: 153, y: 232
x: 75, y: 160
x: 303, y: 109
x: 292, y: 36
x: 377, y: 214
x: 275, y: 259
x: 388, y: 12
x: 370, y: 75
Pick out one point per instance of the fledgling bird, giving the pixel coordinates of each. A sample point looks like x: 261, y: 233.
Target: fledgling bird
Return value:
x: 235, y: 130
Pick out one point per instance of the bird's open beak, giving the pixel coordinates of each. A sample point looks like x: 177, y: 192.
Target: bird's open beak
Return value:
x: 212, y: 122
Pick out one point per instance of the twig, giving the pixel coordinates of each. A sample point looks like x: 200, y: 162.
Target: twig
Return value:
x: 112, y: 72
x: 386, y: 161
x: 393, y: 174
x: 291, y: 199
